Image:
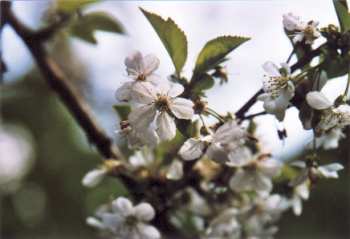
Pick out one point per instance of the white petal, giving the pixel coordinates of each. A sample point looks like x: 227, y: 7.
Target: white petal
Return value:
x: 263, y: 97
x: 270, y: 167
x: 175, y: 90
x: 271, y: 69
x: 277, y: 106
x: 123, y: 206
x: 291, y: 22
x: 239, y: 157
x: 192, y: 149
x: 303, y: 191
x: 134, y: 64
x: 298, y: 37
x: 166, y: 127
x: 330, y: 140
x: 175, y: 171
x: 93, y: 222
x: 297, y: 206
x: 182, y: 108
x: 112, y: 221
x: 151, y: 63
x: 123, y: 93
x: 140, y: 118
x: 228, y: 132
x: 246, y: 181
x: 144, y: 212
x: 318, y: 101
x: 94, y: 177
x: 217, y: 153
x: 330, y: 170
x: 143, y: 92
x: 148, y: 231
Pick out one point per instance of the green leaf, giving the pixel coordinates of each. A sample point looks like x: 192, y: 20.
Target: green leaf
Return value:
x: 70, y: 6
x: 215, y: 51
x: 122, y: 111
x: 342, y: 14
x: 204, y: 82
x: 172, y: 37
x: 84, y: 27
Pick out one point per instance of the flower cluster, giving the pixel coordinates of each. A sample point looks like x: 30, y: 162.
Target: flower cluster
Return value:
x: 215, y: 177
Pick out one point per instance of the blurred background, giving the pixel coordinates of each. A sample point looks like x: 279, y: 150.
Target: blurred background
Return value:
x: 44, y: 154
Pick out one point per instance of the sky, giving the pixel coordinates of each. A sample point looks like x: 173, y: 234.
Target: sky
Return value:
x: 201, y: 21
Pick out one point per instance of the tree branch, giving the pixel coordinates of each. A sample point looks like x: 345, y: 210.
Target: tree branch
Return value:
x: 58, y: 82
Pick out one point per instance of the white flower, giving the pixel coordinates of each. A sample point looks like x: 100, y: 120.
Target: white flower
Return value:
x: 256, y: 176
x: 278, y: 89
x: 226, y: 145
x: 161, y: 105
x: 300, y: 192
x: 138, y: 139
x: 331, y: 117
x: 224, y: 226
x: 301, y: 30
x: 123, y: 220
x: 94, y: 177
x: 314, y: 171
x: 330, y: 139
x: 140, y: 69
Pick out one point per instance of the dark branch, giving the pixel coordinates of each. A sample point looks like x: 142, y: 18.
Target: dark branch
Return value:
x: 58, y: 82
x: 251, y: 116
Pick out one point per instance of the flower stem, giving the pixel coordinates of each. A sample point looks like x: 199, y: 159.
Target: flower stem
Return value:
x: 345, y: 95
x: 215, y: 114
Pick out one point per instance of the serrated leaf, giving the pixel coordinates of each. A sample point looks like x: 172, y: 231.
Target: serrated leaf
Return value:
x: 172, y: 37
x: 84, y: 27
x: 215, y: 50
x: 122, y: 111
x: 204, y: 82
x: 70, y: 6
x: 342, y: 14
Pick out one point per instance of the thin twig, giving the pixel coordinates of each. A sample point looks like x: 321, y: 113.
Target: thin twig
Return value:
x: 251, y: 116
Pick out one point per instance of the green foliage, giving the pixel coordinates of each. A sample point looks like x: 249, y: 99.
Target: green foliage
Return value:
x: 172, y: 37
x: 342, y: 14
x: 70, y: 6
x: 85, y: 26
x: 215, y: 51
x: 122, y: 111
x: 204, y: 82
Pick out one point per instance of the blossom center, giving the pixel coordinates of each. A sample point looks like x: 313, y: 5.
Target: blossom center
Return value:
x: 275, y: 84
x: 162, y: 103
x: 141, y: 77
x: 131, y: 221
x: 309, y: 32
